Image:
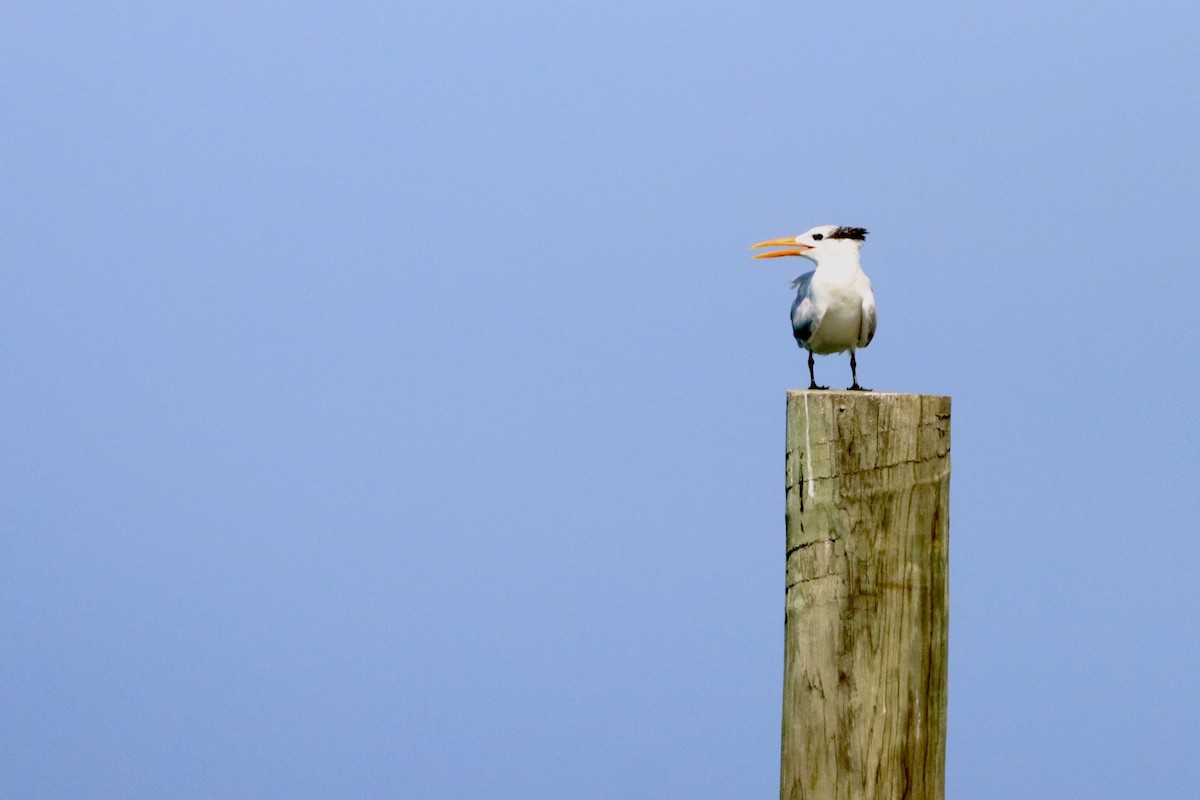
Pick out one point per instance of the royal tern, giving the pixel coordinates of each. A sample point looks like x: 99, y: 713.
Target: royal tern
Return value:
x: 834, y: 309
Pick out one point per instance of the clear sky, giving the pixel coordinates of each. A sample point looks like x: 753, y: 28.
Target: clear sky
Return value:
x: 391, y: 408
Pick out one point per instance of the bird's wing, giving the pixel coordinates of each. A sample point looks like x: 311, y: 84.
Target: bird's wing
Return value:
x: 866, y: 328
x: 805, y: 316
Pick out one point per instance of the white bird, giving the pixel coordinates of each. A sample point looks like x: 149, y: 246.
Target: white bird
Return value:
x: 834, y: 309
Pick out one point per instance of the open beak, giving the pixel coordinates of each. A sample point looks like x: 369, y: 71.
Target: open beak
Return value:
x: 793, y: 248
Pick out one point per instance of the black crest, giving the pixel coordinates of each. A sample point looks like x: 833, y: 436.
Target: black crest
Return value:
x: 849, y: 233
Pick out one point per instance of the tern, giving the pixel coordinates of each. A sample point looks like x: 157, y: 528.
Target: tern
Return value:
x: 834, y: 309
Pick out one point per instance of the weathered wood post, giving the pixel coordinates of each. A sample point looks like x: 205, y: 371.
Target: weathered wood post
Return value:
x: 864, y: 693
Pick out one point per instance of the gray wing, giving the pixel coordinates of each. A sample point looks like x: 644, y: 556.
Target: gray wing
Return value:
x: 866, y: 329
x: 805, y: 317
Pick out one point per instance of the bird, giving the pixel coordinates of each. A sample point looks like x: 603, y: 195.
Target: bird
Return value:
x: 834, y: 310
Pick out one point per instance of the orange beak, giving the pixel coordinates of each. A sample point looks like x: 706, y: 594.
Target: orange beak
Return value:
x: 793, y: 247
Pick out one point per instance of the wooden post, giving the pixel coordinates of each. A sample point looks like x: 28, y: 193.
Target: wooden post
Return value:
x: 864, y: 692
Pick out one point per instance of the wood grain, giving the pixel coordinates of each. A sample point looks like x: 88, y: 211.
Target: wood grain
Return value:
x: 864, y: 700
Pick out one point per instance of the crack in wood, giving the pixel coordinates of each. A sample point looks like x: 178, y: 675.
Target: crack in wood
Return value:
x: 804, y: 545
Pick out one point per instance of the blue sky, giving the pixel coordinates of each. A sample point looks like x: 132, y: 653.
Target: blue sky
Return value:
x: 392, y: 408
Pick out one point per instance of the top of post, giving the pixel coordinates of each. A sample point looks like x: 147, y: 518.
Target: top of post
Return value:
x: 844, y: 394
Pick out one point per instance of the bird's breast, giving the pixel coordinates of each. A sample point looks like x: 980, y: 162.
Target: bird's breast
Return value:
x: 841, y: 320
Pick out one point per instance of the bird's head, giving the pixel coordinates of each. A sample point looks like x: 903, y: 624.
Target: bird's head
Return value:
x: 815, y: 242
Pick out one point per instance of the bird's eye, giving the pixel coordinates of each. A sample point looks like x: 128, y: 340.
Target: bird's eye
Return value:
x: 818, y: 236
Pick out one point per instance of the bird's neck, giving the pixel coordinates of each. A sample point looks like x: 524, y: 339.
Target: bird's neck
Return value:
x: 840, y: 266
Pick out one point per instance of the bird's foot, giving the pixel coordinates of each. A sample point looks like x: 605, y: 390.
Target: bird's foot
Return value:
x: 857, y: 388
x: 813, y: 385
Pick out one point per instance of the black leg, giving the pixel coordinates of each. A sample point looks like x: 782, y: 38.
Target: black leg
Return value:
x: 854, y: 375
x: 812, y: 379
